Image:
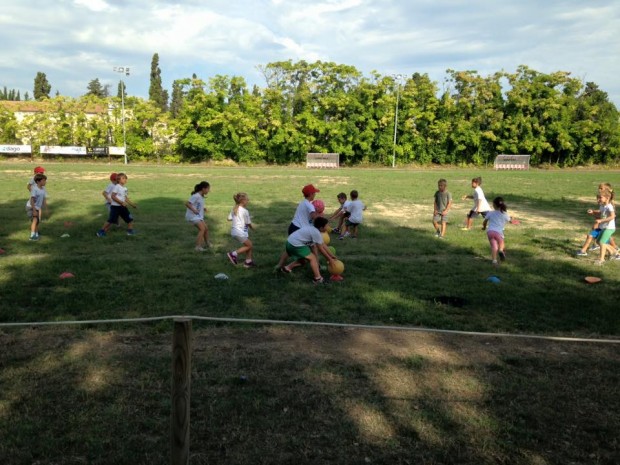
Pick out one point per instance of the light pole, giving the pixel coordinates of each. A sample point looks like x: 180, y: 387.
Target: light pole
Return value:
x: 123, y: 70
x: 397, y: 78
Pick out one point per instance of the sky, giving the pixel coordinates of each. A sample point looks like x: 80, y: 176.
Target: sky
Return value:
x: 76, y: 41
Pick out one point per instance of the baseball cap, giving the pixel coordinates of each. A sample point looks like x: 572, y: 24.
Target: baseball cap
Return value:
x: 113, y: 177
x: 39, y: 169
x: 309, y: 189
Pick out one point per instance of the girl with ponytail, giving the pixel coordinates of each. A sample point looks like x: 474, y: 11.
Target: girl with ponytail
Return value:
x: 195, y: 214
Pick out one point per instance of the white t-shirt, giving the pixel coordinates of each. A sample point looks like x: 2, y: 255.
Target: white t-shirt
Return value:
x: 606, y: 211
x: 302, y: 214
x: 479, y: 196
x: 356, y: 208
x: 121, y: 195
x: 240, y: 222
x: 198, y: 202
x: 496, y: 220
x: 308, y: 235
x: 39, y: 195
x: 108, y: 190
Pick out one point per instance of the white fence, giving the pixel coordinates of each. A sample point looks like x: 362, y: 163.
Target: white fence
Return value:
x: 512, y: 162
x: 322, y: 160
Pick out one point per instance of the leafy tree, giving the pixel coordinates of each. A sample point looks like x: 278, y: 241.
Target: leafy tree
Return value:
x: 97, y: 90
x: 178, y: 96
x: 156, y: 92
x: 42, y: 87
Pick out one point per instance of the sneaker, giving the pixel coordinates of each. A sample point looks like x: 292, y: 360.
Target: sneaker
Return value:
x: 616, y: 257
x: 131, y: 232
x: 437, y: 233
x: 285, y: 270
x: 494, y: 262
x: 34, y: 238
x: 340, y: 238
x: 502, y: 255
x: 199, y: 249
x: 579, y: 253
x: 319, y: 280
x: 336, y: 231
x: 101, y: 233
x: 249, y: 264
x: 232, y: 258
x: 599, y: 262
x: 594, y: 247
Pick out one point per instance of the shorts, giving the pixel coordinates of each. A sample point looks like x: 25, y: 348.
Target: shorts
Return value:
x: 195, y: 221
x: 240, y: 238
x: 350, y: 223
x: 595, y: 233
x: 123, y: 212
x: 473, y: 214
x: 297, y: 252
x: 292, y: 228
x: 605, y: 235
x: 440, y: 218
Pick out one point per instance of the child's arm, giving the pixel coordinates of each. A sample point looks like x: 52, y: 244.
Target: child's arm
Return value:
x: 484, y: 224
x: 611, y: 217
x: 447, y: 207
x: 106, y: 196
x: 325, y: 252
x: 125, y: 203
x: 191, y: 207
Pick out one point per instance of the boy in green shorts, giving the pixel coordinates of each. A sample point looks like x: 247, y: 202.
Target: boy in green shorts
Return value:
x: 304, y: 245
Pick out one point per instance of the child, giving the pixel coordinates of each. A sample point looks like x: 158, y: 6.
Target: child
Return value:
x: 305, y: 213
x: 607, y: 222
x: 594, y: 233
x: 195, y: 214
x: 118, y: 207
x: 303, y: 245
x: 355, y: 216
x: 481, y: 206
x: 241, y: 222
x: 341, y: 212
x: 496, y: 220
x: 35, y: 204
x: 441, y: 206
x: 32, y: 183
x: 107, y: 191
x: 605, y: 186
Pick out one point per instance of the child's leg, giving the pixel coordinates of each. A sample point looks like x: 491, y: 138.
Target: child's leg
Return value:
x: 586, y: 244
x: 494, y: 242
x: 437, y: 226
x: 200, y: 237
x: 444, y: 228
x: 246, y: 249
x: 314, y: 264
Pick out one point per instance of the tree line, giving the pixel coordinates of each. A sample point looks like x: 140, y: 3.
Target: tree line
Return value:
x: 328, y: 107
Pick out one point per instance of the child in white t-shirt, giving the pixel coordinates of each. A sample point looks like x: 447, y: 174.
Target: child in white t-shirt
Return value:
x: 494, y: 223
x: 241, y: 223
x: 195, y: 214
x: 341, y: 212
x: 354, y: 216
x: 107, y: 191
x: 119, y: 200
x: 35, y: 204
x: 480, y: 207
x: 606, y: 221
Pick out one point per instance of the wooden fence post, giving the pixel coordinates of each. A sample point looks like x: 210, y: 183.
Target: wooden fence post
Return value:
x: 181, y: 390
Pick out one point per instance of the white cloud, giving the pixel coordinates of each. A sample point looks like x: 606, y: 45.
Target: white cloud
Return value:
x: 94, y: 5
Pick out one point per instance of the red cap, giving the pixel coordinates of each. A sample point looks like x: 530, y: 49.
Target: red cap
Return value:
x: 309, y: 189
x: 113, y: 177
x: 39, y: 169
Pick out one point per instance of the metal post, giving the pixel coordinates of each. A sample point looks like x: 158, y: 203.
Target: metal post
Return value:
x: 126, y: 71
x: 396, y: 77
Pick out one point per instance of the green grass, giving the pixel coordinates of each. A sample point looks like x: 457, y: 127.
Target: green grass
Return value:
x: 101, y: 394
x: 394, y: 272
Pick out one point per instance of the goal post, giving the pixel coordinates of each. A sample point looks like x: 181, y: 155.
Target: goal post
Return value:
x: 322, y: 160
x: 512, y: 162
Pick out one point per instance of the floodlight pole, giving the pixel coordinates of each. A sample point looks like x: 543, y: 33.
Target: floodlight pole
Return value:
x: 123, y: 70
x: 397, y: 78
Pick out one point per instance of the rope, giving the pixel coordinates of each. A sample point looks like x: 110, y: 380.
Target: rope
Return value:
x: 311, y: 323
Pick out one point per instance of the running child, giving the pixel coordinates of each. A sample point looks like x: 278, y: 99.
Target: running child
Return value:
x: 355, y: 216
x: 195, y: 214
x: 35, y: 204
x: 118, y: 207
x: 241, y: 222
x: 480, y: 207
x: 496, y: 220
x: 107, y: 191
x: 594, y: 233
x: 607, y: 222
x: 602, y: 187
x: 341, y: 212
x: 441, y: 207
x: 303, y: 245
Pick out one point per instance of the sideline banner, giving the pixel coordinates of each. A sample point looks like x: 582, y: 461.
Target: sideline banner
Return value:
x: 16, y: 149
x: 62, y: 150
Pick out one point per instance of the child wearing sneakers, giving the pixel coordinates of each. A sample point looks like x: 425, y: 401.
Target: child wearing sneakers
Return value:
x: 441, y: 206
x: 594, y: 233
x: 241, y: 222
x: 355, y: 217
x: 107, y: 191
x: 341, y: 212
x: 195, y: 214
x: 607, y: 223
x: 496, y: 220
x: 304, y: 245
x: 118, y: 207
x: 35, y: 204
x: 480, y: 207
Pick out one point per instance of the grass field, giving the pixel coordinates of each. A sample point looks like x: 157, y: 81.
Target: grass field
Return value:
x: 100, y: 394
